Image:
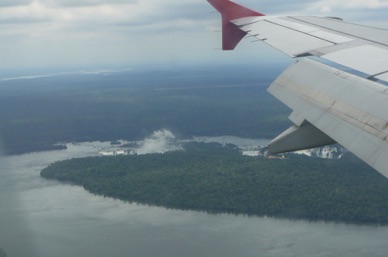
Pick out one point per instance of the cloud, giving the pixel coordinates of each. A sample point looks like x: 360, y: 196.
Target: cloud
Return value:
x: 280, y: 6
x: 79, y: 3
x: 8, y: 3
x: 83, y: 32
x: 94, y: 32
x: 351, y: 4
x: 160, y: 141
x: 25, y: 14
x: 94, y: 13
x: 373, y: 12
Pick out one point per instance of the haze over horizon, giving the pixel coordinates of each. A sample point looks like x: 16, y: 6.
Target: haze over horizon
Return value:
x: 129, y: 33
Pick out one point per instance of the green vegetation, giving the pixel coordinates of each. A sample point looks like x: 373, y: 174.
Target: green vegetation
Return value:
x: 36, y: 114
x: 2, y: 253
x: 212, y: 178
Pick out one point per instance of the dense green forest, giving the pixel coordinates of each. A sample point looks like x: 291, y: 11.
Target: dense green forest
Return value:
x: 36, y: 114
x: 2, y: 253
x: 215, y: 178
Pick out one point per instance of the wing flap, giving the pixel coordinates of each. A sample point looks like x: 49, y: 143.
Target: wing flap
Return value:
x: 333, y: 102
x: 383, y: 76
x: 345, y: 100
x: 332, y: 39
x: 298, y: 138
x: 273, y: 34
x: 369, y: 59
x: 365, y: 33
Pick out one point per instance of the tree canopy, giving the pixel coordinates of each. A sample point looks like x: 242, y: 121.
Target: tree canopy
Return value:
x: 215, y: 178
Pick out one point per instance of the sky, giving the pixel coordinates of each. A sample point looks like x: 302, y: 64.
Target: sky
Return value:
x: 131, y: 33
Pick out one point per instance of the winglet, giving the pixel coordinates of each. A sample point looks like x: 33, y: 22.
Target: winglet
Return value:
x: 231, y: 34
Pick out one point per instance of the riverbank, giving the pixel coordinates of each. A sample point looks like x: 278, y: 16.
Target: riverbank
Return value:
x: 45, y: 218
x: 218, y: 179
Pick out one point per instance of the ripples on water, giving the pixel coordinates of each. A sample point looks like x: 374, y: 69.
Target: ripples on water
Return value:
x: 46, y: 218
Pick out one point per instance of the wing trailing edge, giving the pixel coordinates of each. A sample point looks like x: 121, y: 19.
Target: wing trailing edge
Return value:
x: 231, y: 34
x: 297, y: 138
x: 330, y: 103
x: 339, y: 96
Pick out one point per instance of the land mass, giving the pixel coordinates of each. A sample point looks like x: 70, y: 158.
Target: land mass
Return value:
x: 36, y: 114
x: 2, y: 253
x: 218, y: 179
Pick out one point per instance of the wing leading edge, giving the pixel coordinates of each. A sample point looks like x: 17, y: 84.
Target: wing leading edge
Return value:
x: 340, y: 95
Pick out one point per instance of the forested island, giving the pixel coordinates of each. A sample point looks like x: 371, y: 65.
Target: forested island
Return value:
x: 218, y: 179
x: 2, y: 253
x: 44, y: 113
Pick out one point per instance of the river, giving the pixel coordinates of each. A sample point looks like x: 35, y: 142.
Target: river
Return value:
x: 46, y: 218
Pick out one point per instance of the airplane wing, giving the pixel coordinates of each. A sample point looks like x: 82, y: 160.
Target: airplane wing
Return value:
x: 337, y: 87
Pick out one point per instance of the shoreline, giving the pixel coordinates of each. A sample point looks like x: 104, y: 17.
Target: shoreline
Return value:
x: 217, y: 179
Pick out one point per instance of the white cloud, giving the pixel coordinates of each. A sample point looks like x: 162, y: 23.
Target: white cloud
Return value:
x: 7, y: 3
x: 352, y: 8
x: 83, y: 32
x: 352, y: 4
x: 78, y: 3
x: 160, y: 141
x: 87, y: 32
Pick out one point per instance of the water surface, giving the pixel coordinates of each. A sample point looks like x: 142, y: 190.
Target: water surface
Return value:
x: 47, y: 218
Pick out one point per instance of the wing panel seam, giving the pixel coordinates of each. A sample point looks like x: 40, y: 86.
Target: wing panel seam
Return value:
x: 341, y: 32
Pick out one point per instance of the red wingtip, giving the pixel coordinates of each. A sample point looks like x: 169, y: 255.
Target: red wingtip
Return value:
x: 231, y: 34
x: 231, y: 11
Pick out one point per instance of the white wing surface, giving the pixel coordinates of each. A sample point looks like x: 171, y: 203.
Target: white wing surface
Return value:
x: 338, y: 86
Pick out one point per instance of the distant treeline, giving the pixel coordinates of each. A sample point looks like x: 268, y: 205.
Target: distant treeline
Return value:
x: 35, y: 114
x: 215, y: 178
x: 2, y: 253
